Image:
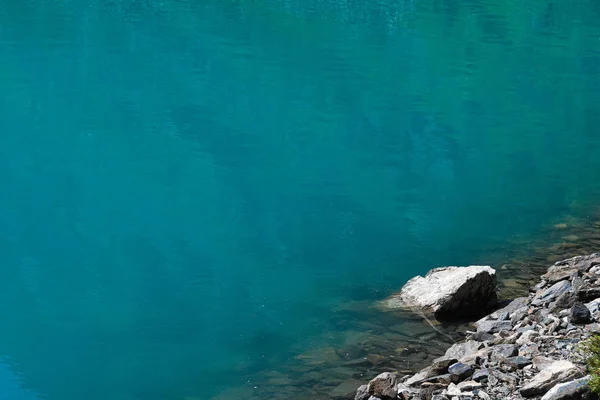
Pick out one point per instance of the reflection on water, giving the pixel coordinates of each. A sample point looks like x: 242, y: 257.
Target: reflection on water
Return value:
x: 195, y: 194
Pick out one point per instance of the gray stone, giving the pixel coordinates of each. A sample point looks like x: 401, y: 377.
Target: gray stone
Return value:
x: 440, y: 366
x: 362, y: 393
x: 555, y: 373
x: 383, y: 386
x: 519, y: 362
x: 481, y: 375
x: 419, y: 377
x: 439, y: 397
x: 491, y: 326
x: 407, y: 393
x: 513, y: 306
x: 460, y: 350
x: 460, y: 371
x: 481, y: 336
x: 580, y: 314
x: 527, y: 337
x: 444, y: 378
x: 551, y: 293
x: 448, y: 292
x: 469, y: 385
x: 568, y: 390
x: 502, y: 351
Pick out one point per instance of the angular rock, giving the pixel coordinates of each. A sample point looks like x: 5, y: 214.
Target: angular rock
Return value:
x: 453, y: 390
x: 460, y: 371
x: 459, y: 350
x: 491, y: 326
x: 551, y: 293
x: 362, y: 393
x: 555, y: 373
x: 440, y: 366
x: 469, y: 386
x: 569, y: 390
x: 383, y: 386
x: 407, y: 393
x: 444, y: 379
x: 518, y: 362
x: 527, y: 337
x: 448, y: 292
x: 481, y: 336
x: 418, y: 378
x: 510, y: 308
x: 580, y: 314
x: 481, y: 375
x: 502, y: 351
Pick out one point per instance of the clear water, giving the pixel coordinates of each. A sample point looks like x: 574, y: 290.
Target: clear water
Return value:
x: 189, y: 188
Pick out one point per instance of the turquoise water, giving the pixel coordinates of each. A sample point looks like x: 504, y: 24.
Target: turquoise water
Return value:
x: 189, y: 188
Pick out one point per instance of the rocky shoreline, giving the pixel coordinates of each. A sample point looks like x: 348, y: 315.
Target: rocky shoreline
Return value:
x: 526, y: 349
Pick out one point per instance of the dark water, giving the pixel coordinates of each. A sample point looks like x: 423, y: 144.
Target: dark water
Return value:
x: 191, y: 190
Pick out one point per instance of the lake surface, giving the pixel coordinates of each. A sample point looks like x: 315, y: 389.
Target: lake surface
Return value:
x: 191, y: 189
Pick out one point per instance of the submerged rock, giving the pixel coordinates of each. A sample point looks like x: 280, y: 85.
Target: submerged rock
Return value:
x: 448, y: 292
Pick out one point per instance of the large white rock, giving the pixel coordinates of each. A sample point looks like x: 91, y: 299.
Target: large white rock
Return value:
x: 552, y: 374
x: 448, y: 292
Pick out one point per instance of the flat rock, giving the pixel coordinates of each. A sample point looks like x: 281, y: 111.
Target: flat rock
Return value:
x: 492, y: 326
x: 448, y: 292
x: 502, y: 351
x: 553, y: 374
x: 469, y: 386
x: 459, y: 350
x: 510, y: 308
x: 550, y: 294
x: 568, y: 390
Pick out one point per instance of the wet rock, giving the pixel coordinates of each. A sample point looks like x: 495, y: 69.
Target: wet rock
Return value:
x: 555, y: 373
x: 580, y: 314
x: 383, y: 386
x: 459, y: 371
x: 575, y: 389
x: 551, y: 293
x: 375, y: 359
x: 448, y: 292
x: 346, y: 389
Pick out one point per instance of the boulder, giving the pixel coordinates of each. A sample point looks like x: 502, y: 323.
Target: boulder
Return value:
x: 448, y: 292
x: 383, y: 386
x: 580, y: 314
x: 553, y: 374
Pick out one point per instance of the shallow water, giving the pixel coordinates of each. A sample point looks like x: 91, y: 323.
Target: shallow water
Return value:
x: 192, y: 191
